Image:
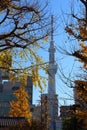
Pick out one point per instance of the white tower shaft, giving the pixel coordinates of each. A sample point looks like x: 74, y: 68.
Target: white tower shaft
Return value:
x: 52, y: 65
x: 52, y: 97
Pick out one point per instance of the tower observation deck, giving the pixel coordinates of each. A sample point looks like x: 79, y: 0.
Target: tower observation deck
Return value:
x: 52, y: 70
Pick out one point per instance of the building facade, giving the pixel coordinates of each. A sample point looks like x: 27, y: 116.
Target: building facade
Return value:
x: 7, y: 89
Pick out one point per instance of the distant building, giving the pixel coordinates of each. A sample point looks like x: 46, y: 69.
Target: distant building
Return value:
x: 6, y: 122
x: 36, y: 112
x: 29, y: 89
x: 66, y: 111
x: 5, y: 100
x: 59, y: 123
x: 7, y: 89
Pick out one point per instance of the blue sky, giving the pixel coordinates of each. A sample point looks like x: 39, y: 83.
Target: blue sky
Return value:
x: 65, y: 63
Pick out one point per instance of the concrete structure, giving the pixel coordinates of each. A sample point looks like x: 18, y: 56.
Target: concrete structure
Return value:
x: 29, y: 89
x: 52, y: 96
x: 6, y: 122
x: 6, y: 93
x: 7, y: 89
x: 36, y: 112
x: 59, y: 123
x: 5, y: 100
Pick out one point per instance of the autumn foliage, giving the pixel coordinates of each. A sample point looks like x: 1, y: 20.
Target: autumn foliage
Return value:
x: 81, y: 91
x: 20, y: 107
x: 78, y: 31
x: 24, y: 28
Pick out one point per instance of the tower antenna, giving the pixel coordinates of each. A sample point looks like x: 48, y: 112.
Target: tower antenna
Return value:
x: 52, y: 27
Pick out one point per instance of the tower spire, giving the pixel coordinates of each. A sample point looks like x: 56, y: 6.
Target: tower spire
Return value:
x: 52, y: 65
x: 52, y: 69
x: 52, y: 29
